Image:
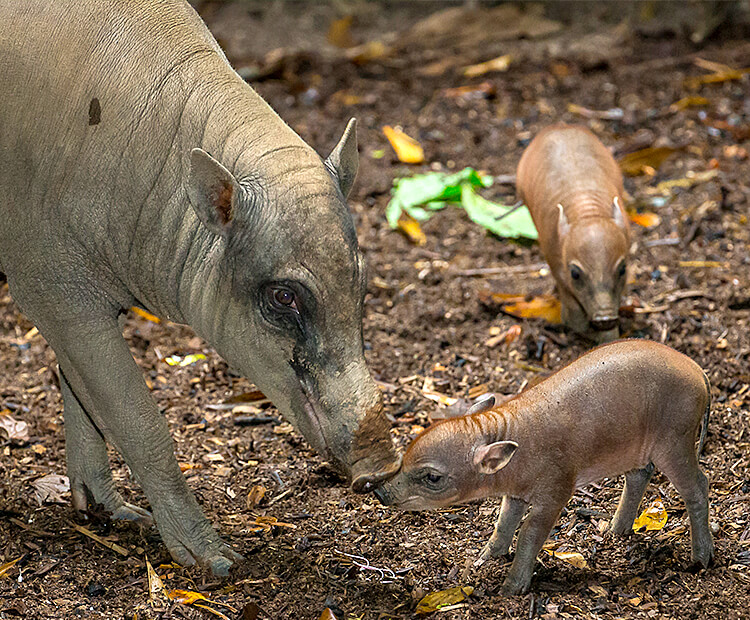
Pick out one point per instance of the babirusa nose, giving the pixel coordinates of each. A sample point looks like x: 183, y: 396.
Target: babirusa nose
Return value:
x: 366, y: 479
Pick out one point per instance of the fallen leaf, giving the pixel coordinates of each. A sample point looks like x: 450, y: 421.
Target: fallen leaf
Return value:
x: 599, y: 590
x: 701, y: 264
x: 653, y: 518
x: 146, y: 315
x: 176, y: 360
x: 51, y: 488
x: 367, y: 52
x: 436, y: 600
x: 725, y: 75
x: 156, y: 588
x: 691, y: 179
x: 689, y: 102
x: 17, y: 430
x: 499, y: 64
x: 255, y: 496
x: 428, y: 391
x: 508, y: 336
x: 339, y: 32
x: 571, y: 557
x: 411, y: 228
x: 5, y: 568
x: 407, y: 149
x: 186, y: 597
x: 645, y: 219
x: 327, y: 614
x: 266, y: 524
x: 545, y: 307
x: 638, y: 162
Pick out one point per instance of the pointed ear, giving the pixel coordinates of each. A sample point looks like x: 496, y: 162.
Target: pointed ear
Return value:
x: 563, y: 228
x: 344, y: 159
x: 483, y: 403
x: 212, y: 191
x: 490, y: 458
x: 617, y: 213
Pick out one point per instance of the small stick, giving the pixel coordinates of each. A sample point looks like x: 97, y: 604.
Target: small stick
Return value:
x: 110, y: 545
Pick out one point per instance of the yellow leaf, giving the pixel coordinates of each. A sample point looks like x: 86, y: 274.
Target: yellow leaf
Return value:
x: 639, y: 162
x: 176, y: 360
x: 716, y: 78
x: 436, y: 600
x: 701, y: 264
x: 544, y: 307
x: 339, y: 32
x: 186, y: 597
x: 571, y: 557
x: 689, y: 102
x: 653, y: 518
x: 327, y: 614
x: 501, y: 63
x: 5, y: 568
x: 646, y: 219
x: 411, y: 228
x: 408, y: 150
x: 146, y: 315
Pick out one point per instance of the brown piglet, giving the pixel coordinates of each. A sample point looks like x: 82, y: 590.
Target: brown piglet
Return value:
x: 624, y: 407
x: 573, y: 188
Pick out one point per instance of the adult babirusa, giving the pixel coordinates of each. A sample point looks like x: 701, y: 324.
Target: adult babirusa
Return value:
x: 142, y: 170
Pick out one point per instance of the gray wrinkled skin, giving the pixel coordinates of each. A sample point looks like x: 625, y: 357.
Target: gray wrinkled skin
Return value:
x: 137, y: 168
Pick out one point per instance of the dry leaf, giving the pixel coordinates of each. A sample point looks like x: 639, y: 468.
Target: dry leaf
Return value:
x: 255, y: 496
x: 367, y: 52
x: 5, y: 568
x: 653, y: 518
x: 411, y: 228
x: 644, y: 160
x: 339, y: 32
x: 599, y: 590
x: 436, y: 600
x: 146, y: 315
x: 545, y: 307
x: 508, y: 336
x: 646, y: 219
x: 17, y: 430
x: 428, y: 391
x: 186, y: 597
x: 692, y: 178
x: 501, y: 63
x: 408, y: 150
x: 266, y: 524
x: 571, y: 557
x: 725, y: 75
x: 51, y: 488
x: 701, y: 264
x: 327, y: 614
x: 176, y: 360
x: 689, y: 102
x: 155, y: 584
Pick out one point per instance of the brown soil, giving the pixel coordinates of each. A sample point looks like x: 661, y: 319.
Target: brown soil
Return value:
x: 424, y: 319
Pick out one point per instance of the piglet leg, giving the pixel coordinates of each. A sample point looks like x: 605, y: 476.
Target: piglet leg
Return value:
x: 692, y: 485
x: 511, y: 512
x: 534, y: 532
x: 636, y: 482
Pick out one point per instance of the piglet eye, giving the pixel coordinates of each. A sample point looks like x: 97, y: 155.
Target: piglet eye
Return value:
x: 621, y: 270
x: 575, y: 272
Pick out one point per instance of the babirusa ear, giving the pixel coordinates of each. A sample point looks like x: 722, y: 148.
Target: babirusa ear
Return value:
x: 343, y: 161
x: 212, y: 191
x: 617, y: 213
x: 563, y: 228
x: 490, y: 458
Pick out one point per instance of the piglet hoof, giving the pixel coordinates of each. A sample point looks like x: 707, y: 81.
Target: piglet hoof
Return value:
x: 129, y: 512
x: 512, y: 587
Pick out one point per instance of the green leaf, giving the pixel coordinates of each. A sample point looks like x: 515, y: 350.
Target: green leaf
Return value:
x: 486, y: 213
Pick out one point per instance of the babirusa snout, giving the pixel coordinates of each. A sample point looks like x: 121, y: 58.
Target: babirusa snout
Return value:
x: 603, y: 321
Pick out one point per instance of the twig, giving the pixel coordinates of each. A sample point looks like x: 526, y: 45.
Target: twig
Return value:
x: 280, y: 496
x: 491, y: 271
x: 110, y: 545
x: 28, y: 528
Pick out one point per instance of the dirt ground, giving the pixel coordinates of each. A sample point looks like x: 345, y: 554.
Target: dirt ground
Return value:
x: 426, y: 317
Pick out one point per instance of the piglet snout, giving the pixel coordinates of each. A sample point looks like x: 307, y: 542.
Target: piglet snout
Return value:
x: 604, y: 322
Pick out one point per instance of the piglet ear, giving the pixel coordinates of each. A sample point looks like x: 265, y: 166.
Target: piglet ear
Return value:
x: 213, y: 192
x: 484, y: 403
x: 617, y: 213
x: 563, y: 228
x: 343, y: 161
x: 490, y: 458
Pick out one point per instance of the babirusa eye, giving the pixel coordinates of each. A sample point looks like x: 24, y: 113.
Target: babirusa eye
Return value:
x: 282, y: 298
x: 575, y: 272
